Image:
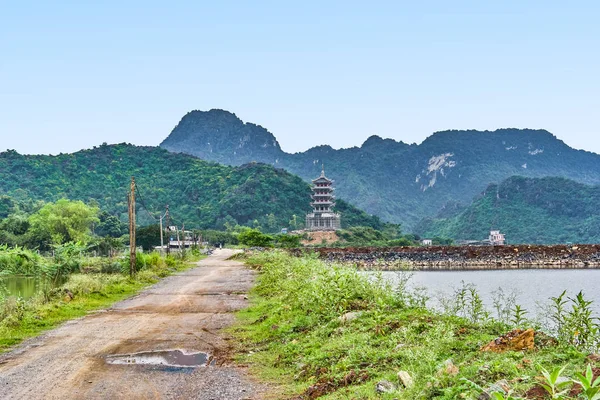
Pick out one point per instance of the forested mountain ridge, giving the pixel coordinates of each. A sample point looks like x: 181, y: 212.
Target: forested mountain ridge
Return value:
x: 394, y: 180
x: 527, y: 210
x: 200, y: 194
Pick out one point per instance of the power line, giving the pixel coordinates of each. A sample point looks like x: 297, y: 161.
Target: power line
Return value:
x: 141, y: 200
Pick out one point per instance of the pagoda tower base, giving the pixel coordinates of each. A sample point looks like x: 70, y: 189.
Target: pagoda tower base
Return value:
x: 323, y: 222
x: 322, y: 217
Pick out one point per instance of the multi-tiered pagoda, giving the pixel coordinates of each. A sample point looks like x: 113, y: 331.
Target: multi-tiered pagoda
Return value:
x: 323, y: 218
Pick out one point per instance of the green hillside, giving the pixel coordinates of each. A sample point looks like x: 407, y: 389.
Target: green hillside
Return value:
x: 542, y: 211
x: 398, y: 182
x: 200, y: 194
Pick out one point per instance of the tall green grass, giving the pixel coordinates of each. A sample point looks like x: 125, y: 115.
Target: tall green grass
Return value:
x: 325, y: 329
x: 20, y: 261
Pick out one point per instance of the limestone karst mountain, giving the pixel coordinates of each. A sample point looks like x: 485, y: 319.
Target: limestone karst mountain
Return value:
x: 529, y: 210
x: 398, y: 182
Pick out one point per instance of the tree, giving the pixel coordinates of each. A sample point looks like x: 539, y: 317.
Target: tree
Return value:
x: 294, y: 222
x: 230, y: 223
x: 288, y: 241
x: 148, y: 236
x: 254, y: 238
x: 110, y: 225
x: 272, y: 224
x: 62, y: 222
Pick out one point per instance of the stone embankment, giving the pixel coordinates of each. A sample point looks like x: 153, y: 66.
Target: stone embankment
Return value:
x: 465, y: 257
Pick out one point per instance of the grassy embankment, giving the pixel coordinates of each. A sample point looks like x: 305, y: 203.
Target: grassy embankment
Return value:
x: 99, y: 283
x: 294, y: 332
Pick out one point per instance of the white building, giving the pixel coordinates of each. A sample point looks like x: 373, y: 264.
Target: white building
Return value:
x: 497, y: 238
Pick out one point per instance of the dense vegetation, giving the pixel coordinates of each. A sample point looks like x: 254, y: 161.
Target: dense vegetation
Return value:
x: 359, y: 236
x: 393, y: 180
x: 91, y: 283
x: 200, y: 194
x: 543, y: 211
x: 327, y: 331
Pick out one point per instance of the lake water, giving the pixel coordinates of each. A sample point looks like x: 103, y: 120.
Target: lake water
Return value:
x: 23, y: 286
x: 532, y: 286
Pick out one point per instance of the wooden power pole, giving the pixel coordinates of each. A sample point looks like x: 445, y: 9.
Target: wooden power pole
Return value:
x: 167, y: 222
x: 132, y: 228
x: 161, y: 236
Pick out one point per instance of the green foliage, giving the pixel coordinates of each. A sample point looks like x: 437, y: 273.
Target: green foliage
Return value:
x: 536, y: 211
x: 106, y: 246
x: 518, y: 317
x: 590, y: 387
x: 61, y: 222
x: 254, y: 238
x: 19, y: 261
x: 577, y: 325
x: 214, y: 237
x: 148, y: 237
x: 287, y: 241
x: 200, y: 194
x: 398, y: 182
x: 22, y: 318
x: 111, y: 226
x: 555, y: 384
x: 368, y: 236
x: 67, y: 260
x: 320, y: 326
x: 466, y: 302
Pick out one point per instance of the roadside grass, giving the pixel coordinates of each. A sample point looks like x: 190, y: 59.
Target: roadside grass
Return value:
x: 297, y: 334
x: 21, y: 319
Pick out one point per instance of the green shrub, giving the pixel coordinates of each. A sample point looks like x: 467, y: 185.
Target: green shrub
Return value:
x: 254, y: 238
x: 19, y: 261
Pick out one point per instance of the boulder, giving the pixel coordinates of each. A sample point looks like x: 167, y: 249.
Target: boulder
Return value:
x: 405, y: 379
x: 385, y: 387
x: 349, y: 316
x: 516, y: 340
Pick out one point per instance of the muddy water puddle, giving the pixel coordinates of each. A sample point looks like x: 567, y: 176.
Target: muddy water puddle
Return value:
x: 167, y: 358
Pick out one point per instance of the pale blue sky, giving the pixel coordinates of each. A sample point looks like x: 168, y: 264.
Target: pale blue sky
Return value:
x: 74, y: 74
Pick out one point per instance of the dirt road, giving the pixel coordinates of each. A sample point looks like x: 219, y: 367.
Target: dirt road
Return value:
x: 91, y: 358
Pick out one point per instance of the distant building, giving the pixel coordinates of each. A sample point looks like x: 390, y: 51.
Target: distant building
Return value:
x: 497, y: 238
x: 180, y: 239
x: 427, y: 242
x: 323, y: 218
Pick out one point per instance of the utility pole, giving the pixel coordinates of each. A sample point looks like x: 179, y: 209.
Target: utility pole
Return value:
x: 161, y: 235
x: 132, y: 227
x: 167, y: 221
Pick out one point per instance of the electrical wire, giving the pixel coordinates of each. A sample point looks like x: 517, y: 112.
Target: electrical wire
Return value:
x: 141, y: 199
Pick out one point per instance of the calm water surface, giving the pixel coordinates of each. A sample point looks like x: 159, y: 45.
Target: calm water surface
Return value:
x: 532, y: 286
x: 23, y: 286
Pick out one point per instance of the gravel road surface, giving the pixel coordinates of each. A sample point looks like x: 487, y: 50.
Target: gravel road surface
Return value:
x: 184, y: 312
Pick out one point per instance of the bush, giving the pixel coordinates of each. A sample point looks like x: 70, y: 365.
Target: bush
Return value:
x: 287, y: 241
x: 254, y: 238
x: 19, y: 261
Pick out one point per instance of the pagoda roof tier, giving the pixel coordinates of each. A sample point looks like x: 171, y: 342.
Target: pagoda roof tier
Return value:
x: 322, y: 203
x: 322, y: 187
x: 323, y: 179
x: 323, y: 194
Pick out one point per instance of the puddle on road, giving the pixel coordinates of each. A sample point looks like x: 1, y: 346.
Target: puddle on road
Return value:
x: 168, y: 358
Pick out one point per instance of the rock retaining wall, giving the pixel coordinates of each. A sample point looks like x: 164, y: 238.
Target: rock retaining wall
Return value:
x: 465, y: 257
